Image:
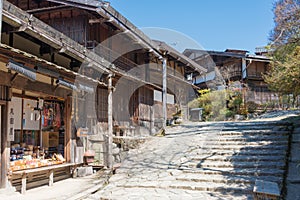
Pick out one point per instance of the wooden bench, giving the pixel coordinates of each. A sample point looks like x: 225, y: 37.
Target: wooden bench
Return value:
x: 41, y: 176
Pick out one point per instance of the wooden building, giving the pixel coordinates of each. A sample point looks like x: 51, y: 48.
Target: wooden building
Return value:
x: 234, y: 68
x: 64, y: 67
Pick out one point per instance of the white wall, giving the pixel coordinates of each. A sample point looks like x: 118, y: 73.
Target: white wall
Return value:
x: 206, y: 77
x: 30, y: 116
x: 158, y: 97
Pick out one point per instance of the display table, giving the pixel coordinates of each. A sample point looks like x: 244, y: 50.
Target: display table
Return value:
x: 40, y: 176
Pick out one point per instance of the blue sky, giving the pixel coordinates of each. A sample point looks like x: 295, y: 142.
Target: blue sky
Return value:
x: 214, y: 24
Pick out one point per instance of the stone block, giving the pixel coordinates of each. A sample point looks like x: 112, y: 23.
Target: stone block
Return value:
x: 266, y: 189
x: 79, y: 154
x: 116, y: 151
x: 294, y: 172
x: 84, y: 171
x: 297, y: 130
x: 296, y: 137
x: 293, y: 191
x: 295, y: 149
x: 239, y: 117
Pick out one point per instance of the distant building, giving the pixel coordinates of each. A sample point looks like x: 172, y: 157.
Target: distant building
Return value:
x: 235, y: 68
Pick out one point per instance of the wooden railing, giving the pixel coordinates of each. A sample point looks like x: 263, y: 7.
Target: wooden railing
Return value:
x: 256, y: 75
x: 235, y: 73
x: 119, y: 60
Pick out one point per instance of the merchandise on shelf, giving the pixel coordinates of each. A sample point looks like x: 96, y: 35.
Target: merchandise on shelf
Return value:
x: 29, y: 163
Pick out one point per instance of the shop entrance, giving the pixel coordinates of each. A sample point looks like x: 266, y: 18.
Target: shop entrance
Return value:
x: 39, y: 133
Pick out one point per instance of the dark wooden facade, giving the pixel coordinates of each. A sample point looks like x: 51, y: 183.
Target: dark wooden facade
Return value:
x: 93, y: 45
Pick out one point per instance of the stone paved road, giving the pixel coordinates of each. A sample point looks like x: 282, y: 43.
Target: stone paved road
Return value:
x: 202, y: 161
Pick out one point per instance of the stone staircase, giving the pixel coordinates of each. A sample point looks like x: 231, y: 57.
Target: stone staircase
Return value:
x: 204, y: 161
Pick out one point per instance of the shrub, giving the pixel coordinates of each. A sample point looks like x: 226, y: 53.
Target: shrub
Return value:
x: 251, y: 106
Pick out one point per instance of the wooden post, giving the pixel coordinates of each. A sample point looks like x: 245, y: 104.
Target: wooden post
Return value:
x: 152, y: 119
x: 23, y: 187
x: 4, y: 147
x: 164, y: 92
x: 68, y: 129
x: 1, y: 132
x: 1, y: 8
x: 110, y: 125
x: 51, y: 177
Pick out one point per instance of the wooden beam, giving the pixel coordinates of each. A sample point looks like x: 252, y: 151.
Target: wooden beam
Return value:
x: 23, y: 83
x: 13, y: 78
x: 97, y: 21
x: 48, y: 9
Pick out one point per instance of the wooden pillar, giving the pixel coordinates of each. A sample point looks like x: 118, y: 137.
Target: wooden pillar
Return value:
x: 23, y: 187
x: 51, y: 172
x: 1, y: 132
x: 152, y: 119
x: 110, y: 124
x: 1, y: 8
x: 4, y: 146
x: 68, y: 129
x: 164, y: 92
x: 147, y: 67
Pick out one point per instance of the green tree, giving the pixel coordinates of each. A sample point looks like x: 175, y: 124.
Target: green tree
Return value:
x: 284, y: 74
x: 287, y: 22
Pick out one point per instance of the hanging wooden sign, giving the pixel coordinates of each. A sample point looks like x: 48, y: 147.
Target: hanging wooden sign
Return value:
x: 11, y: 130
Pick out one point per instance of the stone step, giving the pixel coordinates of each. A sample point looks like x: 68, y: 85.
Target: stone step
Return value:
x: 248, y: 138
x: 253, y: 132
x: 238, y: 158
x: 230, y: 131
x: 240, y: 188
x: 269, y: 148
x: 234, y: 171
x: 238, y: 128
x: 162, y: 193
x: 237, y: 124
x: 241, y: 153
x: 208, y: 178
x: 242, y: 165
x: 245, y: 143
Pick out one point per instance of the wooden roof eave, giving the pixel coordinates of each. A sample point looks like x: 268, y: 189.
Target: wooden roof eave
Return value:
x: 115, y: 18
x: 38, y: 29
x: 106, y: 11
x: 83, y: 4
x: 36, y: 60
x: 48, y: 9
x: 179, y: 56
x: 29, y: 24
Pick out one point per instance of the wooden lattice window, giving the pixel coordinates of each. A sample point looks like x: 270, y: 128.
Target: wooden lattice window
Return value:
x: 102, y: 104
